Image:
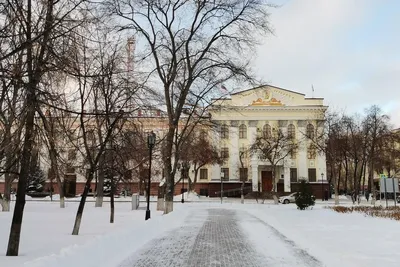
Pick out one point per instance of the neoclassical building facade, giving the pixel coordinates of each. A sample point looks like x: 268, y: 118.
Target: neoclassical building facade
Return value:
x: 239, y: 119
x: 262, y: 111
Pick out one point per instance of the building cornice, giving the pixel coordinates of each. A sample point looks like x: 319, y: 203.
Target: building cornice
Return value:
x: 270, y: 108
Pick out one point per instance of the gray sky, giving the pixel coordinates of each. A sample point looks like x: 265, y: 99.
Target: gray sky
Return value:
x: 348, y: 49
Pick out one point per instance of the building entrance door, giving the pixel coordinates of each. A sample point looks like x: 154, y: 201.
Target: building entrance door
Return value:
x: 266, y: 180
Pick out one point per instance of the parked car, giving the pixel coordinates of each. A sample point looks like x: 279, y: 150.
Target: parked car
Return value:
x: 290, y: 198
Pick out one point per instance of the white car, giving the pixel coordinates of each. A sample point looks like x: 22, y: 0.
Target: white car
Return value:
x: 290, y: 198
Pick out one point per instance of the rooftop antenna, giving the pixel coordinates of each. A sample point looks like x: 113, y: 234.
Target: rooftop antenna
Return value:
x: 312, y: 90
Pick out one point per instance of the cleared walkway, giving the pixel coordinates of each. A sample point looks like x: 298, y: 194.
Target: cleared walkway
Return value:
x: 221, y: 237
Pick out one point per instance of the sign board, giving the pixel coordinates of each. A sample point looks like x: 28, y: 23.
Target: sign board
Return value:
x: 389, y: 185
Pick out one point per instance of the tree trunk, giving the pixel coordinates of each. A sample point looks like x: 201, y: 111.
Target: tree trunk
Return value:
x: 339, y: 175
x: 371, y: 172
x: 193, y: 184
x: 51, y: 189
x: 364, y: 174
x: 16, y: 225
x: 355, y: 182
x: 160, y: 198
x: 242, y: 193
x: 100, y: 185
x: 112, y: 201
x: 170, y: 175
x: 33, y: 80
x: 5, y: 203
x: 335, y: 185
x: 54, y: 166
x: 79, y: 213
x: 275, y: 197
x: 8, y: 177
x: 346, y: 172
x: 371, y: 179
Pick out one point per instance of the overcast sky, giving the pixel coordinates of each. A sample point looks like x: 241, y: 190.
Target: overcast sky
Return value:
x: 348, y: 49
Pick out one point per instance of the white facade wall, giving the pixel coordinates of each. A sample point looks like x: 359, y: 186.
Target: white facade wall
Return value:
x: 278, y: 108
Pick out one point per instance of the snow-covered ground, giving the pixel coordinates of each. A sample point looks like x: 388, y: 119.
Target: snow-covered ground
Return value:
x: 344, y: 240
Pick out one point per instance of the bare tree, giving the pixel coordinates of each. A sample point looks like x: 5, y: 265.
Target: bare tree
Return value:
x: 200, y: 152
x: 32, y: 29
x: 378, y: 126
x: 274, y: 148
x: 52, y: 136
x: 243, y: 174
x: 12, y: 71
x: 328, y: 140
x: 191, y: 48
x: 388, y: 154
x: 102, y: 96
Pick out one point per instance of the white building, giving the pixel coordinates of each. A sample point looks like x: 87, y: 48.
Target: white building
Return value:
x: 251, y: 112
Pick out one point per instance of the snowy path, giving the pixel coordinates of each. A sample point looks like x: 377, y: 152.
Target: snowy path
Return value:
x: 222, y: 237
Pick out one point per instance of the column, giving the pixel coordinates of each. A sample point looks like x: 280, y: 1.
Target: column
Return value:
x: 321, y: 166
x: 234, y: 151
x: 286, y: 179
x: 254, y: 176
x: 302, y: 168
x: 254, y: 160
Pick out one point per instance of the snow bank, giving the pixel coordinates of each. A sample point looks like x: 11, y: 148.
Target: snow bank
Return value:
x: 345, y: 240
x: 112, y: 249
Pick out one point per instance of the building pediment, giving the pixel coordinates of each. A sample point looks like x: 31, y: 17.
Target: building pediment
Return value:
x: 270, y: 96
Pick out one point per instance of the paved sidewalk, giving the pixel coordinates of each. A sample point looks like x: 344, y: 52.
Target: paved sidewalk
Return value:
x: 215, y: 238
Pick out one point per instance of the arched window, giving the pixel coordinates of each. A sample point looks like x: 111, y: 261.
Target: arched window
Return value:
x: 310, y: 131
x: 267, y: 131
x: 291, y: 131
x: 224, y: 131
x: 242, y: 131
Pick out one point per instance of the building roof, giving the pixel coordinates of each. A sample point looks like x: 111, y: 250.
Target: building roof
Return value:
x: 268, y: 85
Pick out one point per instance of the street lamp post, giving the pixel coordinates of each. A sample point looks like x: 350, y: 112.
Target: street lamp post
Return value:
x: 151, y: 141
x: 322, y: 186
x: 185, y: 169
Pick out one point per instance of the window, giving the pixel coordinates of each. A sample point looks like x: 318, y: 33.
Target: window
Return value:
x: 224, y: 152
x: 291, y: 131
x: 293, y: 175
x: 203, y: 174
x: 267, y: 131
x: 71, y: 154
x: 242, y: 131
x: 243, y: 174
x: 225, y: 171
x: 293, y: 153
x: 312, y: 152
x: 91, y: 137
x: 312, y: 175
x: 70, y: 170
x: 224, y: 131
x: 310, y: 131
x: 242, y: 151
